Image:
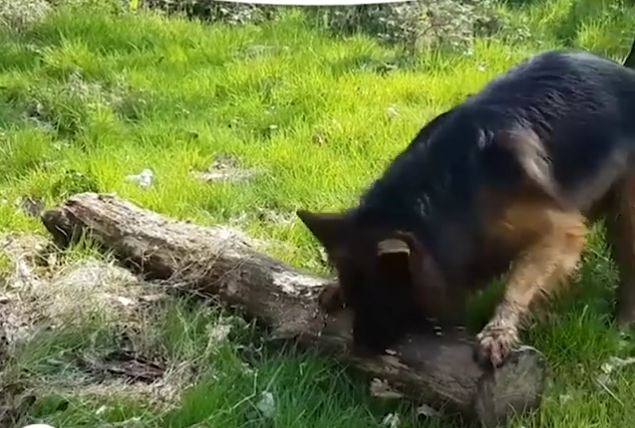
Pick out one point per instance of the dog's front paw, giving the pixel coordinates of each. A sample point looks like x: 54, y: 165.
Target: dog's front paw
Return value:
x: 495, y: 342
x: 331, y: 299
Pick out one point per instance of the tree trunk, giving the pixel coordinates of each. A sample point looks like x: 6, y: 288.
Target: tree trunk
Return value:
x: 437, y: 370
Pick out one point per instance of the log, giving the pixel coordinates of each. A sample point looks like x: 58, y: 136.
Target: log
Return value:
x: 215, y: 261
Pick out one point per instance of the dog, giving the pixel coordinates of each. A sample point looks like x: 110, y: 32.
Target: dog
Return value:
x: 507, y: 182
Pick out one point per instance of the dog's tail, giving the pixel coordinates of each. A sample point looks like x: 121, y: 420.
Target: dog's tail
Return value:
x: 629, y: 62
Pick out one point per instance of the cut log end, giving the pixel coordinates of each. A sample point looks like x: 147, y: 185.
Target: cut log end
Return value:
x: 430, y: 369
x: 514, y: 388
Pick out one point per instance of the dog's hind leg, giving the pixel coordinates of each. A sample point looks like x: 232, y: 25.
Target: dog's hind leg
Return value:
x: 620, y: 225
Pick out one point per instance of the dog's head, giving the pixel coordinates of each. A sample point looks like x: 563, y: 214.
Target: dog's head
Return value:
x: 388, y: 277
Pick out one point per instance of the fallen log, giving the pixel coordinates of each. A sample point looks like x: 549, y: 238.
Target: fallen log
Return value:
x: 214, y: 261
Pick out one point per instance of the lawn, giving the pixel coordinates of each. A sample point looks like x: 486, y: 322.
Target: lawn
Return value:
x: 89, y: 98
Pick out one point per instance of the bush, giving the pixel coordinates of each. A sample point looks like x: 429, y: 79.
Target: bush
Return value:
x: 22, y: 14
x: 214, y: 11
x: 417, y: 24
x: 112, y: 7
x: 414, y: 24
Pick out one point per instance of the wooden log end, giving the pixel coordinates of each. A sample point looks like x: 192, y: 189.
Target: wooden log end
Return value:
x: 59, y: 226
x: 515, y: 388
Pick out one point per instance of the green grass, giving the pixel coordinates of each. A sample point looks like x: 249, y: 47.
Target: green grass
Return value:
x: 88, y: 99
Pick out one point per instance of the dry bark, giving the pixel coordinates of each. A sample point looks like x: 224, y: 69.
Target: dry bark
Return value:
x: 214, y: 261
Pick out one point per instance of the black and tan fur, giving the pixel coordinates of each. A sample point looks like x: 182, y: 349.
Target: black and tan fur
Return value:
x: 506, y: 182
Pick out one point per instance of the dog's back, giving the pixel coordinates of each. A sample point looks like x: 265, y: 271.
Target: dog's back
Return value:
x: 564, y: 120
x: 570, y: 117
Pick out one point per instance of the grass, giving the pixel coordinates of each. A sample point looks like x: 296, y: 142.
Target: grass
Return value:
x: 88, y: 99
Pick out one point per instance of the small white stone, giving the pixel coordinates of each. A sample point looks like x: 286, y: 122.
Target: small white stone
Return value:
x: 144, y: 180
x: 267, y: 405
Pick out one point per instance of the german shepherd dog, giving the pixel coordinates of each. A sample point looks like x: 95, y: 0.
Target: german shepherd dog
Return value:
x: 506, y: 182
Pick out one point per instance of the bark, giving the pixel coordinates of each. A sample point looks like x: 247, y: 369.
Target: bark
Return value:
x: 214, y: 261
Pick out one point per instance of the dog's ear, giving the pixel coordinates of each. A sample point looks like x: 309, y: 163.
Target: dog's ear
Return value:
x: 394, y: 259
x: 330, y: 229
x: 400, y: 257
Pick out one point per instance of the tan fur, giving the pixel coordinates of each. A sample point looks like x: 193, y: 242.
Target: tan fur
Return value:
x: 555, y: 241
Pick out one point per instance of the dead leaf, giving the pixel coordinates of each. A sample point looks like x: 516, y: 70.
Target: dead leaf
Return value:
x: 219, y: 332
x: 613, y: 364
x: 392, y: 420
x: 152, y: 298
x: 267, y: 404
x: 616, y: 363
x: 319, y: 139
x: 427, y: 411
x: 124, y: 364
x: 381, y: 389
x: 124, y: 301
x: 392, y: 111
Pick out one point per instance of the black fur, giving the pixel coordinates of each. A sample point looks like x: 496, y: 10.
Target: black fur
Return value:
x: 580, y: 109
x: 581, y: 106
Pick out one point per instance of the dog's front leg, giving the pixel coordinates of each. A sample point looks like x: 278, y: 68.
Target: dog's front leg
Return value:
x: 538, y: 272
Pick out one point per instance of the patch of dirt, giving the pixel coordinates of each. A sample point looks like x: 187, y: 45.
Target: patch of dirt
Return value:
x: 23, y: 255
x: 14, y: 407
x: 225, y: 169
x: 46, y: 291
x: 161, y: 390
x: 16, y: 325
x: 31, y: 206
x: 125, y: 365
x: 259, y: 51
x: 41, y: 287
x: 87, y: 289
x: 40, y: 292
x: 24, y: 251
x: 275, y: 217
